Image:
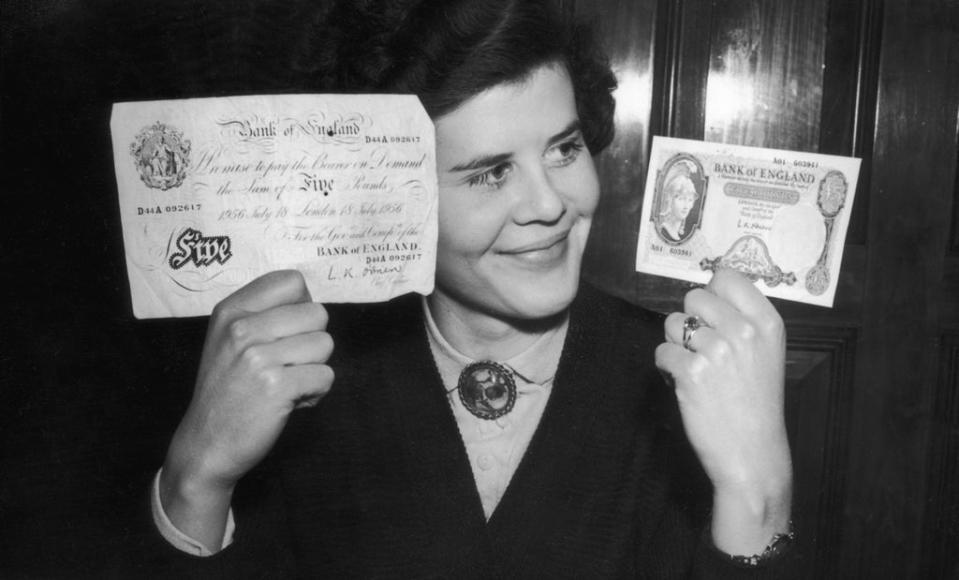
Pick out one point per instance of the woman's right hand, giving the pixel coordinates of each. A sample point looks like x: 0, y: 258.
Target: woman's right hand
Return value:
x: 265, y: 354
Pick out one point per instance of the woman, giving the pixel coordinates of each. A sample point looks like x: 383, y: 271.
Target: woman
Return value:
x: 408, y: 464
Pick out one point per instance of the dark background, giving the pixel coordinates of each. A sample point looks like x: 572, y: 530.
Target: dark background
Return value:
x: 89, y: 396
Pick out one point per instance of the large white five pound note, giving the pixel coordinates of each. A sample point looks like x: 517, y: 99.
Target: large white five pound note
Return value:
x: 214, y: 192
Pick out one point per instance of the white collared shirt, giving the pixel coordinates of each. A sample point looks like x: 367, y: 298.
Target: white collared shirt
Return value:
x: 495, y: 447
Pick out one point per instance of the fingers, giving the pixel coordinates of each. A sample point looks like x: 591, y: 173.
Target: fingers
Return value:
x: 726, y: 328
x: 671, y: 358
x: 313, y: 347
x: 682, y: 368
x: 273, y: 306
x: 707, y: 343
x: 276, y: 323
x: 741, y: 293
x: 675, y: 332
x: 732, y: 307
x: 267, y: 291
x: 291, y: 369
x: 308, y: 383
x: 715, y: 310
x: 269, y: 336
x: 287, y: 387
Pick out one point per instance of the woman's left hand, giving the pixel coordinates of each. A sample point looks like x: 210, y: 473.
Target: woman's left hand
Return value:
x: 729, y: 381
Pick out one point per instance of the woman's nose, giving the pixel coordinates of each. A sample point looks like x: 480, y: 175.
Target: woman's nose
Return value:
x: 541, y: 201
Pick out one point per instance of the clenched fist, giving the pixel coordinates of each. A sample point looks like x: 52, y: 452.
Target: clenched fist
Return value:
x: 265, y: 354
x: 729, y: 381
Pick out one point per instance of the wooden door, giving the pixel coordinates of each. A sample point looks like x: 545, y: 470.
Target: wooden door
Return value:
x: 872, y: 395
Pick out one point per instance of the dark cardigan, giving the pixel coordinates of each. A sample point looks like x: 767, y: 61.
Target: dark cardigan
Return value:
x: 375, y: 481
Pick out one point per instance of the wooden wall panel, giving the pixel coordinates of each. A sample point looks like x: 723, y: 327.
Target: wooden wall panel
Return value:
x: 940, y: 548
x: 940, y: 555
x: 913, y: 175
x: 627, y: 29
x: 954, y: 246
x: 766, y: 73
x: 682, y: 56
x: 849, y: 93
x: 819, y: 374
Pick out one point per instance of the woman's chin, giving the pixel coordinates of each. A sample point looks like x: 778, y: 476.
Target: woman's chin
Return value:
x: 542, y: 300
x: 534, y: 294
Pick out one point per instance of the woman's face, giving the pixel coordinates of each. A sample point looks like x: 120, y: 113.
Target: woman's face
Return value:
x: 683, y: 200
x: 517, y: 194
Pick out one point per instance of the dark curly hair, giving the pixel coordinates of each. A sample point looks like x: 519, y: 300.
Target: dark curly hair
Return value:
x: 447, y: 51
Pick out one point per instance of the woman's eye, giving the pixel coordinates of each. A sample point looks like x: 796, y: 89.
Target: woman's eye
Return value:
x: 492, y: 178
x: 566, y: 152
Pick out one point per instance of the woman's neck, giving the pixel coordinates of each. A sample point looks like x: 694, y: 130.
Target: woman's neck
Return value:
x: 482, y: 336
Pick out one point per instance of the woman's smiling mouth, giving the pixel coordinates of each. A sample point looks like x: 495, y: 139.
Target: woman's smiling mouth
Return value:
x: 541, y: 252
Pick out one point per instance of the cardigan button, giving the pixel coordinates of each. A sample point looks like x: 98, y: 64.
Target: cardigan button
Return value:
x: 485, y: 462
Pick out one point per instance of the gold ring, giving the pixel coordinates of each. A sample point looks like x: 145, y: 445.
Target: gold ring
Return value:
x: 690, y: 326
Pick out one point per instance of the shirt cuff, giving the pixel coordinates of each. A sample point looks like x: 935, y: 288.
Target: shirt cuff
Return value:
x: 175, y: 537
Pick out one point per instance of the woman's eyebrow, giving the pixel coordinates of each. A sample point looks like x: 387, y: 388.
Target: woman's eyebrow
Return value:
x: 570, y: 129
x: 481, y: 162
x: 496, y: 159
